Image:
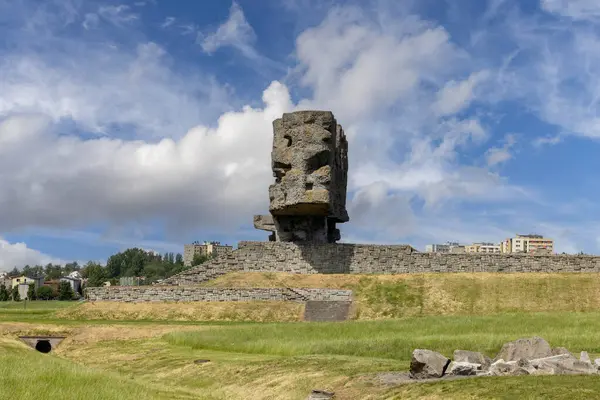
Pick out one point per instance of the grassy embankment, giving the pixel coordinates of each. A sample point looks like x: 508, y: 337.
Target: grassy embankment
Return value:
x: 376, y: 297
x: 26, y: 374
x: 286, y: 360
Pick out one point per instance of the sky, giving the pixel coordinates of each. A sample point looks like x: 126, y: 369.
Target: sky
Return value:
x: 149, y: 123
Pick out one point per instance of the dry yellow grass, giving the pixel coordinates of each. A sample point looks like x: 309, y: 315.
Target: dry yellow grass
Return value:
x: 391, y: 296
x: 258, y: 311
x: 375, y: 297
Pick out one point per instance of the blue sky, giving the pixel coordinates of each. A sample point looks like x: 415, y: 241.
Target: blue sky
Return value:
x: 148, y: 123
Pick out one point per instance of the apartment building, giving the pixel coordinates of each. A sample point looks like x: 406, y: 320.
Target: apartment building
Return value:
x: 448, y: 247
x: 528, y: 244
x: 209, y: 249
x: 483, y: 248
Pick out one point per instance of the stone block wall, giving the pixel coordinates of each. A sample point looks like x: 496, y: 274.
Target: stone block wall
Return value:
x: 136, y: 294
x: 373, y: 259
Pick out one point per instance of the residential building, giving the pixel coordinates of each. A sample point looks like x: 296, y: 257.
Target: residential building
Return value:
x: 483, y: 248
x: 20, y: 280
x: 448, y: 247
x: 532, y: 244
x: 209, y: 249
x: 5, y: 280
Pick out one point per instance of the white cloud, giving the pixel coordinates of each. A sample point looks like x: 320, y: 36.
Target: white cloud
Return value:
x: 18, y: 255
x: 168, y: 22
x: 555, y: 72
x: 107, y: 87
x: 456, y: 96
x: 576, y: 9
x: 66, y: 180
x: 499, y: 155
x: 547, y: 140
x: 235, y: 32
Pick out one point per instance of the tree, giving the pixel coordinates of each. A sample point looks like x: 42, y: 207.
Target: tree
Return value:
x: 199, y: 259
x: 53, y: 271
x: 31, y: 292
x: 179, y: 259
x: 45, y: 293
x: 4, y: 294
x: 95, y: 274
x: 65, y: 291
x: 15, y: 293
x: 15, y: 272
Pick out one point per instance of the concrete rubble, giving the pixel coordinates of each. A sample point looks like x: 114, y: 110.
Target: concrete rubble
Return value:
x: 529, y: 356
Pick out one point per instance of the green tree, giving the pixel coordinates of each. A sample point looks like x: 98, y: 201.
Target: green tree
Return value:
x: 65, y: 292
x: 53, y: 271
x: 15, y: 293
x: 31, y: 292
x: 96, y: 274
x: 15, y: 272
x: 199, y: 259
x: 179, y: 259
x: 45, y: 293
x: 4, y: 294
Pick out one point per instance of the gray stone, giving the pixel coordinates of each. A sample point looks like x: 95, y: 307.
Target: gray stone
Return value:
x: 471, y: 357
x: 597, y: 363
x: 464, y: 368
x: 528, y: 348
x: 564, y: 364
x: 560, y: 350
x: 427, y: 364
x: 585, y: 357
x: 501, y: 367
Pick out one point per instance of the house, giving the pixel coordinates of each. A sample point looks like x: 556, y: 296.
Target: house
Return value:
x: 26, y: 280
x: 74, y: 282
x: 5, y: 280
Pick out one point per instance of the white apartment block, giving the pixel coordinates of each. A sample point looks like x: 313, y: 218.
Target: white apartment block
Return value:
x: 210, y: 249
x: 448, y: 247
x: 528, y: 244
x: 483, y: 248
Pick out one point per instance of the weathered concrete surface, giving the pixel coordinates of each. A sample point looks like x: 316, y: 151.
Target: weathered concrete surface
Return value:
x: 326, y: 311
x: 32, y: 341
x: 527, y: 349
x: 473, y: 357
x: 463, y: 368
x: 310, y: 165
x: 426, y: 364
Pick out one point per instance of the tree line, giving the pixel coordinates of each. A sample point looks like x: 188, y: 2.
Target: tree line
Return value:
x: 133, y: 262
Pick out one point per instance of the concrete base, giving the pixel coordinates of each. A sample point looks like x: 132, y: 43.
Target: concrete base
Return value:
x: 43, y: 344
x: 327, y: 311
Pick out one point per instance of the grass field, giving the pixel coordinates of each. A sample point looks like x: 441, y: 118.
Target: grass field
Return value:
x: 120, y: 351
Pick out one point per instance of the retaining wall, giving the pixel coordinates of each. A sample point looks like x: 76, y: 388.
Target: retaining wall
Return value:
x: 191, y: 293
x: 343, y: 258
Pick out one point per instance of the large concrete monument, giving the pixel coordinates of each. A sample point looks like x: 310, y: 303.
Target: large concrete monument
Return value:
x: 310, y: 166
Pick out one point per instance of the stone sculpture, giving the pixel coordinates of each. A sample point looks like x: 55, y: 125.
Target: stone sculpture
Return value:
x: 310, y: 165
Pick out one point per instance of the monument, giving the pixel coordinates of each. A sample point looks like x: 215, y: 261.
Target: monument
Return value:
x: 310, y: 165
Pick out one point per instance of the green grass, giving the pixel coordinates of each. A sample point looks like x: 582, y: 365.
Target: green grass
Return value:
x: 31, y: 311
x: 51, y: 305
x: 396, y: 339
x: 26, y: 374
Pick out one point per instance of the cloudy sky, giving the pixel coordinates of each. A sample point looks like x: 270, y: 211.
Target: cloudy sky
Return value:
x: 148, y: 123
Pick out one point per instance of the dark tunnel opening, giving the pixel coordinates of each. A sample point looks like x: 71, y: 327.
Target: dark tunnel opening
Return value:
x: 43, y: 346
